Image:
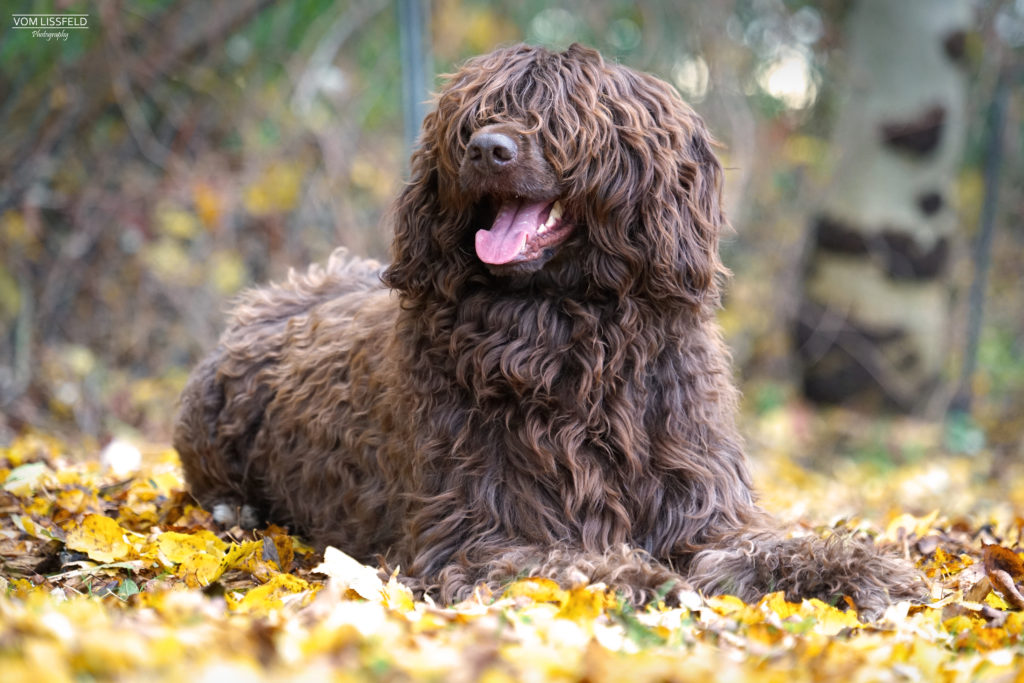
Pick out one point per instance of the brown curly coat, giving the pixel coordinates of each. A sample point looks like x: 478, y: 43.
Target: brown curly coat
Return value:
x: 569, y: 412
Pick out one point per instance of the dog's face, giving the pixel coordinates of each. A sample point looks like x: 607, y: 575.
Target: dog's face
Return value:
x: 518, y: 216
x: 559, y: 163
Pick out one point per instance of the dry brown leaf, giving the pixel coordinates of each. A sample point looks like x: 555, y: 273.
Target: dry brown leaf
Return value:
x: 997, y: 557
x: 1002, y: 582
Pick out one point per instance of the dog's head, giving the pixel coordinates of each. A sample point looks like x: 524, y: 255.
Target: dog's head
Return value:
x: 537, y: 164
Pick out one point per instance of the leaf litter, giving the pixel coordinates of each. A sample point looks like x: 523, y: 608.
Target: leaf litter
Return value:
x: 113, y: 573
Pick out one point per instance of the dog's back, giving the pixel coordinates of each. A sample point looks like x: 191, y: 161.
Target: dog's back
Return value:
x: 265, y: 362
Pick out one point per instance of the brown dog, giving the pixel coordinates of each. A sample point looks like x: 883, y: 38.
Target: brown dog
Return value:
x: 539, y: 384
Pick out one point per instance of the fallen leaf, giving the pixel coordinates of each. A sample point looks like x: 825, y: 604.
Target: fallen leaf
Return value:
x: 282, y: 589
x: 997, y: 557
x: 538, y: 590
x: 397, y: 596
x: 583, y: 604
x: 348, y: 573
x: 102, y: 539
x: 1003, y: 583
x: 23, y: 479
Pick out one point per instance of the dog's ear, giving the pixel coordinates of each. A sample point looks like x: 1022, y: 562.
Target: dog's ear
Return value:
x: 662, y: 201
x: 697, y: 266
x: 412, y: 216
x: 430, y: 217
x: 425, y: 249
x: 681, y: 215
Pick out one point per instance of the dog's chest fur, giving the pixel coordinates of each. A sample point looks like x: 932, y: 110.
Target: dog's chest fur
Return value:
x: 537, y: 395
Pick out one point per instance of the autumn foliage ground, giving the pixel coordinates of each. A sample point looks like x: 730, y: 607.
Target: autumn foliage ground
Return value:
x: 110, y: 572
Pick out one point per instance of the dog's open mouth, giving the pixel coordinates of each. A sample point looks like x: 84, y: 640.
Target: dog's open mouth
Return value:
x: 523, y: 231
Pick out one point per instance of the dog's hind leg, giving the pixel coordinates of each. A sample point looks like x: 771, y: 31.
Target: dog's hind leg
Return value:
x: 214, y: 457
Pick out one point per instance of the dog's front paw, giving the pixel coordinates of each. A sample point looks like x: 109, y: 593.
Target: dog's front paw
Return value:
x: 228, y: 515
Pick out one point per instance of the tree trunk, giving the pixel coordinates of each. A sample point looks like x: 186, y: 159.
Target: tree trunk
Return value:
x: 873, y: 324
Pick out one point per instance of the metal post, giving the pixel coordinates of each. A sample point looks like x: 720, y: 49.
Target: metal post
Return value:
x: 413, y: 23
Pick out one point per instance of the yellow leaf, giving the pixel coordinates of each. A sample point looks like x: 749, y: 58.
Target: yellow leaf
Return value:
x: 168, y: 481
x: 175, y: 222
x: 910, y: 526
x: 77, y: 501
x: 208, y: 204
x: 197, y: 558
x: 239, y: 555
x: 276, y: 190
x: 397, y: 596
x: 170, y: 262
x: 830, y: 620
x: 200, y: 570
x: 102, y: 539
x: 40, y: 507
x: 178, y: 547
x: 960, y: 623
x: 139, y: 515
x: 20, y: 588
x: 1015, y: 623
x: 764, y: 634
x: 993, y: 599
x: 944, y: 564
x: 726, y: 604
x: 31, y: 448
x: 586, y: 603
x: 284, y: 544
x: 249, y: 557
x: 273, y: 595
x: 35, y: 530
x: 776, y: 602
x: 537, y: 589
x: 227, y: 272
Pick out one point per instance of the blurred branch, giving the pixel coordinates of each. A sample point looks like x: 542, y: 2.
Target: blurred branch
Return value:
x: 70, y: 263
x: 347, y: 22
x: 21, y: 359
x: 121, y: 88
x: 72, y: 100
x: 986, y: 230
x: 199, y: 27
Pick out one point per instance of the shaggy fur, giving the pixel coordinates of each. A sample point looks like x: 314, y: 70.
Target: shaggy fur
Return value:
x: 562, y: 406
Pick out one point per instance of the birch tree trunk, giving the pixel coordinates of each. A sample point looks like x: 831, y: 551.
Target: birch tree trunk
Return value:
x: 873, y: 323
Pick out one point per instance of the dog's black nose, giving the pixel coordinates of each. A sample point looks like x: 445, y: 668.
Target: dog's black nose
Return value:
x: 491, y: 151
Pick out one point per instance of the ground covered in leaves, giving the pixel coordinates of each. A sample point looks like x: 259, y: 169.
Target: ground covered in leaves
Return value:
x: 109, y: 571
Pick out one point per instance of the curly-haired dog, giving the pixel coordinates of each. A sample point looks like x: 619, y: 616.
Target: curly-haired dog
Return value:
x: 538, y: 386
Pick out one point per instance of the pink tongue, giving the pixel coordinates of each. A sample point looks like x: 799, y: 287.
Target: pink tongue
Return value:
x: 506, y: 239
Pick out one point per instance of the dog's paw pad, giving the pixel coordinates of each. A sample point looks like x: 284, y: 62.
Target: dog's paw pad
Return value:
x: 228, y: 515
x: 248, y: 518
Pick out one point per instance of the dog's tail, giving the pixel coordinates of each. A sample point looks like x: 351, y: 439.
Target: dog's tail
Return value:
x: 757, y: 561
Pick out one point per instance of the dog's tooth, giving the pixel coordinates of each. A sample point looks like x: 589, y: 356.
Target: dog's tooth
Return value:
x: 553, y: 216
